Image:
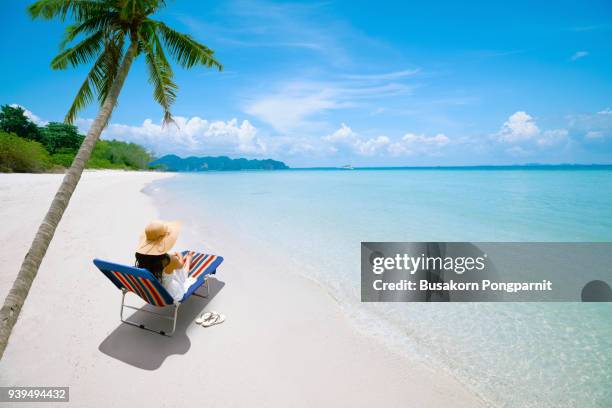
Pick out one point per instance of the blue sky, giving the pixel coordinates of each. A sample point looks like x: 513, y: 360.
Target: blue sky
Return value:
x: 359, y: 82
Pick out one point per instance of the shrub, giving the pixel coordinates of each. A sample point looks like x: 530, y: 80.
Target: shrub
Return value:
x: 102, y: 163
x: 60, y: 136
x: 14, y: 120
x: 119, y: 155
x: 108, y: 155
x: 22, y: 141
x: 63, y: 157
x: 21, y: 155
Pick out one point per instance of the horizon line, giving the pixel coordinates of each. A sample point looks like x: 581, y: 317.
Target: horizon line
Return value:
x: 469, y: 166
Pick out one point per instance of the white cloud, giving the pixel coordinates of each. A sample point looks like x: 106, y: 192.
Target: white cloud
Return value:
x: 188, y: 136
x: 593, y: 126
x: 294, y: 26
x: 268, y: 24
x: 290, y: 108
x: 438, y: 140
x: 519, y: 127
x: 552, y: 138
x: 594, y: 134
x: 579, y: 54
x: 517, y: 151
x: 411, y: 144
x: 344, y: 137
x: 606, y: 111
x: 294, y: 105
x: 344, y: 133
x: 385, y: 76
x: 298, y: 148
x: 371, y: 146
x: 30, y: 115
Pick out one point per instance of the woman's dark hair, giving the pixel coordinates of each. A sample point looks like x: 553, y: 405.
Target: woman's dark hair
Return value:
x: 153, y: 263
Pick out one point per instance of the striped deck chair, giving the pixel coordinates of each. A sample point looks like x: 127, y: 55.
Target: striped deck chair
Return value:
x: 149, y: 288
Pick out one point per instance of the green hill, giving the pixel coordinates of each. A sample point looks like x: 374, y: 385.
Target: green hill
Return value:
x: 173, y: 162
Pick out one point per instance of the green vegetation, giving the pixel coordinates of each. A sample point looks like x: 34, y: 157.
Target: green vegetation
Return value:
x: 14, y: 120
x: 112, y: 154
x: 172, y: 162
x: 26, y: 147
x: 18, y: 154
x: 57, y: 136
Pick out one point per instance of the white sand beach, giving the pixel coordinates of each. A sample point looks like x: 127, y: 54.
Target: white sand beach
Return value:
x: 285, y: 341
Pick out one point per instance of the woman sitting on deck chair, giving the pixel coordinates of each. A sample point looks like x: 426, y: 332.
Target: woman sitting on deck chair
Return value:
x: 172, y: 270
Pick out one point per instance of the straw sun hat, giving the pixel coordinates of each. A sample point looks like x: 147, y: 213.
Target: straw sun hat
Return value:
x: 158, y: 237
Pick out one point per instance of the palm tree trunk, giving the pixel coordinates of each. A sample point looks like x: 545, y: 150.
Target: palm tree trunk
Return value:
x: 29, y: 268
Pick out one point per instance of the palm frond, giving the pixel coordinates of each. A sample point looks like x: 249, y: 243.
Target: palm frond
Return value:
x: 79, y: 9
x: 113, y: 57
x: 130, y: 9
x: 160, y: 76
x: 99, y: 22
x: 187, y: 51
x: 81, y: 53
x: 85, y: 94
x: 100, y: 78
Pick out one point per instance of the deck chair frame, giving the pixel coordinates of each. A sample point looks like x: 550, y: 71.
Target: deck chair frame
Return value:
x: 172, y: 318
x: 143, y: 284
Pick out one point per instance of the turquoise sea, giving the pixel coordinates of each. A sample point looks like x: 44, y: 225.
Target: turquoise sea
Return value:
x: 513, y: 354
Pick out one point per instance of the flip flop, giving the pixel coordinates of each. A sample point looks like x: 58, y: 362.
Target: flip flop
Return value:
x: 219, y: 318
x: 205, y: 317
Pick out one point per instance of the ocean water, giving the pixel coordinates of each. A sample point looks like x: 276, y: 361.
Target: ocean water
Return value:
x: 512, y: 354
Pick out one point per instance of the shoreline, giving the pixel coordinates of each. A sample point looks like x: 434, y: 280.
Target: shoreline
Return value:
x: 359, y: 322
x: 364, y: 320
x: 286, y: 341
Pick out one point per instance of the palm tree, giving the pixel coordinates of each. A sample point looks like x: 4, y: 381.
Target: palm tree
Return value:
x: 111, y: 34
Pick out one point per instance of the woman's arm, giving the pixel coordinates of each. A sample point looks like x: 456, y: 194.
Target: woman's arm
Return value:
x: 186, y: 261
x: 187, y: 264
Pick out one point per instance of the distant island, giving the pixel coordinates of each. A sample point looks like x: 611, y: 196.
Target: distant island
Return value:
x: 173, y: 162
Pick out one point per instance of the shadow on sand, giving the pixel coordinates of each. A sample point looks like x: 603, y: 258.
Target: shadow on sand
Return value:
x: 148, y: 350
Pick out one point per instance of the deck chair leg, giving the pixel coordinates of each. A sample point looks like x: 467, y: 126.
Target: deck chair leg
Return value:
x: 142, y: 326
x: 207, y: 285
x: 123, y: 292
x: 176, y: 307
